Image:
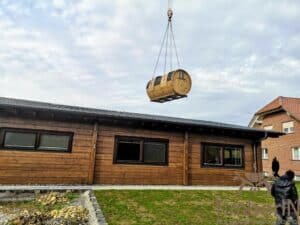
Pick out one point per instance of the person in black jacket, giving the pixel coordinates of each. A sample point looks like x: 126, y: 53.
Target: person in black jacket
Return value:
x: 285, y: 192
x: 275, y: 167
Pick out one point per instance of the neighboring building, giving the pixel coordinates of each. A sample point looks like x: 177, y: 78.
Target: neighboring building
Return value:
x: 42, y: 143
x: 282, y: 115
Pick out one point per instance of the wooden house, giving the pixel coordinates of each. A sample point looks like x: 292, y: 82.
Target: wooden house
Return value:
x: 43, y: 143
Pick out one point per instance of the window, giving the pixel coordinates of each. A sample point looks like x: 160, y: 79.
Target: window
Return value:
x: 265, y: 173
x: 222, y: 155
x: 54, y: 142
x: 268, y: 127
x: 170, y: 76
x: 265, y: 153
x: 148, y: 84
x: 181, y: 75
x: 154, y: 152
x: 141, y: 151
x: 232, y: 156
x: 296, y: 153
x: 212, y: 155
x: 157, y: 80
x: 288, y: 127
x: 19, y: 139
x: 297, y: 178
x: 22, y: 139
x: 128, y: 151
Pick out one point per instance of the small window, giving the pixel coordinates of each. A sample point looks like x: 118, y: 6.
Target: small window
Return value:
x: 268, y: 127
x: 296, y: 153
x: 265, y: 173
x: 170, y: 76
x: 23, y: 139
x: 181, y: 75
x: 140, y: 151
x: 297, y: 178
x: 54, y: 142
x: 222, y: 155
x: 288, y: 127
x: 148, y: 84
x: 157, y: 80
x: 265, y: 153
x: 14, y: 139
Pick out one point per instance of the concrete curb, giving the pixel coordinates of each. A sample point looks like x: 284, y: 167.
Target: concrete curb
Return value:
x: 99, y: 215
x: 117, y: 187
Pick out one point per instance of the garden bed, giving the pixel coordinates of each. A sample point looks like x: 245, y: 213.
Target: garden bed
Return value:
x: 48, y: 208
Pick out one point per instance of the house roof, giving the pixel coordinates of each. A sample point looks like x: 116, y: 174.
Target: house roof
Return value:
x: 97, y: 114
x: 290, y: 105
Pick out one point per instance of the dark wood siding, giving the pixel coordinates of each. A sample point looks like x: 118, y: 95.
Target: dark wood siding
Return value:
x: 83, y: 165
x: 28, y: 167
x: 199, y: 175
x: 109, y: 173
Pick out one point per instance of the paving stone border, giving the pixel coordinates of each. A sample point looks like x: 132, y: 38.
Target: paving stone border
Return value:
x: 118, y: 187
x: 99, y: 214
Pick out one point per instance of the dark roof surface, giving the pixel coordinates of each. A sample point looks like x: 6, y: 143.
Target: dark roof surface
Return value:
x: 42, y: 106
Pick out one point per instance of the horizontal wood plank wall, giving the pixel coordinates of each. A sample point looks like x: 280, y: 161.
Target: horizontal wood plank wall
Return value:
x: 28, y: 167
x: 216, y: 176
x: 108, y: 173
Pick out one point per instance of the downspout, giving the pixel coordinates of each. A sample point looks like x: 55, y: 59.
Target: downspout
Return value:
x: 255, y: 151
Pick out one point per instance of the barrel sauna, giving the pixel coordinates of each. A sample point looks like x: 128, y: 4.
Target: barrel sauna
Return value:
x: 174, y: 85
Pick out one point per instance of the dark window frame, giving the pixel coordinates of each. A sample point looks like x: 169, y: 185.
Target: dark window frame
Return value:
x: 38, y: 133
x: 170, y: 76
x: 157, y: 80
x: 148, y: 85
x: 141, y: 140
x: 202, y: 149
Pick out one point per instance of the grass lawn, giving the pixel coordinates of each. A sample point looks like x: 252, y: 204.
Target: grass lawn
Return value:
x: 186, y: 207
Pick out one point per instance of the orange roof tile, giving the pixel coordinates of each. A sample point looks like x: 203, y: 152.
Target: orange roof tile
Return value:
x: 291, y: 105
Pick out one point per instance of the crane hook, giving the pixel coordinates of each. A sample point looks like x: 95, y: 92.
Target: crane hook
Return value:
x: 170, y: 14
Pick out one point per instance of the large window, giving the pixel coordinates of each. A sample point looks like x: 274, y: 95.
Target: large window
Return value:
x: 22, y: 139
x: 141, y: 151
x: 222, y: 155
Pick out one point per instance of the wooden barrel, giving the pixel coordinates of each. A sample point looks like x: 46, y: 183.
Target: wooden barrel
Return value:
x: 174, y: 85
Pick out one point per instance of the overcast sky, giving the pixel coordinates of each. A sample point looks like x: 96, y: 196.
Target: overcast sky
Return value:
x: 101, y: 53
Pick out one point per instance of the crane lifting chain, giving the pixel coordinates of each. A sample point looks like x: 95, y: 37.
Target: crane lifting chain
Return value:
x: 168, y: 44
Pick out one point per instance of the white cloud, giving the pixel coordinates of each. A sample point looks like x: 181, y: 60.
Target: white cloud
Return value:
x: 101, y: 53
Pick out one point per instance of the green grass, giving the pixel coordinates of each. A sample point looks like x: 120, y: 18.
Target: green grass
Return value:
x: 186, y: 207
x: 298, y: 186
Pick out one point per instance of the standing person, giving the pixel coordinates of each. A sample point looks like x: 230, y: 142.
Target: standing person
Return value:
x: 275, y: 167
x: 284, y: 192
